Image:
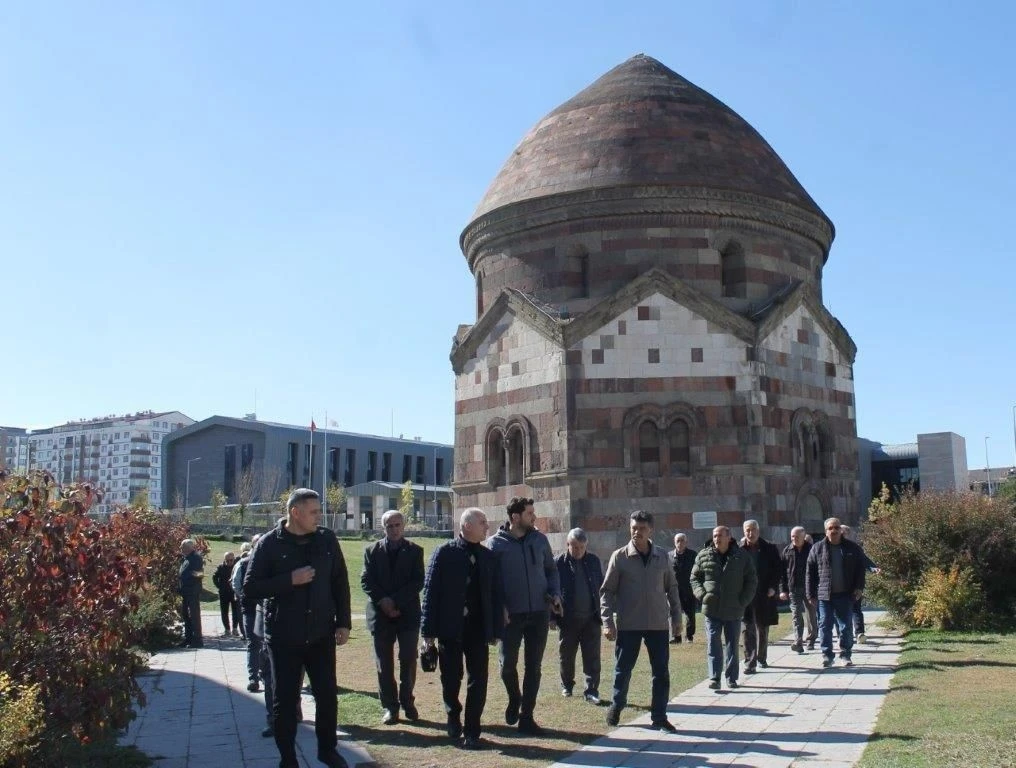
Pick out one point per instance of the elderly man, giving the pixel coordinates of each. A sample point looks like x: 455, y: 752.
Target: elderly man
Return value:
x: 299, y: 568
x: 724, y: 581
x: 681, y: 560
x: 834, y: 580
x: 392, y: 577
x: 581, y: 578
x: 762, y: 613
x: 191, y: 573
x: 638, y: 601
x: 462, y: 613
x: 249, y: 610
x: 795, y: 566
x: 856, y: 609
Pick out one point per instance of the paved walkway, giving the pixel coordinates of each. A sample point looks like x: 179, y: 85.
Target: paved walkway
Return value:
x: 200, y: 715
x: 793, y: 714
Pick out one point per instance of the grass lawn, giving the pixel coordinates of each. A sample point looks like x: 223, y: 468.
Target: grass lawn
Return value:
x: 952, y: 703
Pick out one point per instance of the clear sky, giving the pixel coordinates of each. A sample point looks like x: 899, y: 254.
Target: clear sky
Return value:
x: 200, y: 200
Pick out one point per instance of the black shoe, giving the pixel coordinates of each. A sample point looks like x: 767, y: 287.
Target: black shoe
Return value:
x: 471, y: 742
x: 592, y: 698
x: 797, y: 647
x: 253, y: 686
x: 268, y: 732
x: 810, y: 646
x: 412, y: 713
x: 529, y: 727
x: 690, y: 638
x: 827, y: 661
x: 613, y: 716
x: 454, y: 727
x: 511, y: 712
x: 390, y: 717
x: 764, y: 664
x: 675, y: 641
x: 333, y: 759
x: 750, y: 670
x: 566, y: 692
x: 664, y: 725
x: 732, y: 684
x: 714, y: 685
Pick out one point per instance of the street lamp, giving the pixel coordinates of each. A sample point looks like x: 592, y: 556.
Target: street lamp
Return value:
x: 987, y: 465
x: 186, y: 495
x: 1014, y: 435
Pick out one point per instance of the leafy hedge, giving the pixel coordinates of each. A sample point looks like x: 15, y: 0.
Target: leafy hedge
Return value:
x: 70, y: 593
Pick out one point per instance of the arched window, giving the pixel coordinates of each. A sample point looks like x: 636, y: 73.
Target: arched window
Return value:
x: 584, y: 275
x: 732, y: 271
x: 495, y: 458
x: 479, y: 294
x: 678, y: 436
x: 516, y: 456
x: 649, y: 449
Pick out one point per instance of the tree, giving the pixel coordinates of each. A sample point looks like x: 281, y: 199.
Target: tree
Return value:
x: 270, y: 477
x: 246, y: 490
x: 217, y: 500
x: 335, y: 495
x: 406, y: 499
x: 177, y: 499
x: 141, y: 500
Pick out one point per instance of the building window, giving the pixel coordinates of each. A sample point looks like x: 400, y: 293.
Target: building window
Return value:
x: 350, y: 473
x: 584, y: 275
x: 246, y: 456
x: 732, y: 272
x: 495, y: 458
x: 421, y: 469
x: 308, y: 480
x: 386, y: 467
x: 229, y: 471
x: 680, y: 458
x: 407, y: 468
x: 333, y: 465
x: 479, y: 294
x: 649, y: 449
x: 291, y: 461
x: 439, y: 475
x: 371, y: 466
x: 516, y: 456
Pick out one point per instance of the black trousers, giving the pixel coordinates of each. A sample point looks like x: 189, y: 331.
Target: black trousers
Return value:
x: 584, y: 634
x: 472, y: 648
x: 288, y: 666
x: 756, y: 639
x: 531, y: 628
x: 190, y: 614
x: 386, y: 634
x: 228, y: 603
x: 254, y: 643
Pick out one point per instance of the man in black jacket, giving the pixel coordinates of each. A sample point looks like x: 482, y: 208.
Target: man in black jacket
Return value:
x: 191, y: 572
x: 462, y: 609
x: 795, y: 567
x: 682, y: 558
x: 299, y: 568
x: 763, y: 612
x: 581, y: 578
x: 834, y: 580
x: 392, y: 577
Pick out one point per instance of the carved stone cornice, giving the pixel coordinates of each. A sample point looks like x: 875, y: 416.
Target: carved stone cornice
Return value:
x: 743, y: 208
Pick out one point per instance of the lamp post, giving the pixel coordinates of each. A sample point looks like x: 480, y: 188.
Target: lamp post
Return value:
x: 987, y: 465
x: 1014, y: 435
x: 186, y: 495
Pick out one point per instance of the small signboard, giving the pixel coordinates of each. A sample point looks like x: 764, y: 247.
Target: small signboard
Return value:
x: 703, y: 520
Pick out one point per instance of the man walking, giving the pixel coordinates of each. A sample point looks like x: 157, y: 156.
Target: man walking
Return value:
x: 581, y: 577
x: 835, y: 578
x: 682, y: 558
x: 392, y: 577
x: 792, y: 574
x: 191, y: 573
x: 856, y: 608
x: 723, y: 579
x: 248, y: 611
x: 530, y: 585
x: 762, y: 613
x: 638, y: 601
x: 299, y: 568
x: 462, y: 613
x: 228, y: 603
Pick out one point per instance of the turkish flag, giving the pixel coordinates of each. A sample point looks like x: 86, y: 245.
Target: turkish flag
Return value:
x: 313, y: 426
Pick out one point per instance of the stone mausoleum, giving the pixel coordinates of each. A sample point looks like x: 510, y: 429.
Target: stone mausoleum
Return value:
x: 650, y: 331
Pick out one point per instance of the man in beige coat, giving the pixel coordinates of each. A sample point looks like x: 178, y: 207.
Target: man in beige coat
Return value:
x: 638, y: 601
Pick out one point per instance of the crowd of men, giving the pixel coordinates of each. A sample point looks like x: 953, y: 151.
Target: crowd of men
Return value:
x: 508, y: 589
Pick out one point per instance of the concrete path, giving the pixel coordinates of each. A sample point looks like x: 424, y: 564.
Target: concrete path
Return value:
x: 793, y: 714
x: 200, y: 715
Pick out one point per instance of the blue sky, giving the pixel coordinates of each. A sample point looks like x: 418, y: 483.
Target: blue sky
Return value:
x: 200, y: 200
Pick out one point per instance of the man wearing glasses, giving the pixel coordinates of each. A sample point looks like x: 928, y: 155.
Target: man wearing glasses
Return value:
x: 298, y: 569
x: 834, y: 580
x: 392, y: 577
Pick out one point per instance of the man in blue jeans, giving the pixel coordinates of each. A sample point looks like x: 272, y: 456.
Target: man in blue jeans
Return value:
x: 723, y: 578
x: 532, y: 588
x: 835, y: 579
x: 639, y: 600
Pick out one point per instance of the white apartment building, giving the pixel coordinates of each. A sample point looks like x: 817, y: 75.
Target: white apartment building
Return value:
x: 13, y: 448
x: 121, y: 455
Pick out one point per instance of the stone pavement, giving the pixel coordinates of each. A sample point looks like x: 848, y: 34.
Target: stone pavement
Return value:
x: 199, y: 713
x: 793, y: 714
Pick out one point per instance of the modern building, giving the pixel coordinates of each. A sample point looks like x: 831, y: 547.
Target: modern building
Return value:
x: 13, y: 448
x: 978, y: 479
x: 121, y: 455
x: 649, y: 330
x: 937, y: 461
x: 254, y: 461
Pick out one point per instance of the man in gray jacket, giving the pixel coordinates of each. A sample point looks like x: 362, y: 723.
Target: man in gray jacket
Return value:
x: 532, y: 588
x: 638, y: 601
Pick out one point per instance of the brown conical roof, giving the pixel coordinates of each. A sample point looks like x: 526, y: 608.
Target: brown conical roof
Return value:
x: 643, y: 124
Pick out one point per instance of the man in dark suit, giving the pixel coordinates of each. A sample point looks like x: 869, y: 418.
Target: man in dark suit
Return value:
x: 392, y: 577
x: 462, y: 607
x: 763, y: 611
x: 581, y: 578
x: 682, y: 558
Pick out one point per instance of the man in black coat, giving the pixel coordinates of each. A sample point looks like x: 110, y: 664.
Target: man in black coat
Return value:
x: 191, y: 572
x: 298, y: 567
x: 580, y: 625
x: 392, y: 577
x: 795, y: 567
x: 762, y: 613
x: 835, y: 579
x: 682, y: 558
x: 462, y: 607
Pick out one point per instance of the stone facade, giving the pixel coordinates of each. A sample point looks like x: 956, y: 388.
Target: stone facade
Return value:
x: 652, y: 339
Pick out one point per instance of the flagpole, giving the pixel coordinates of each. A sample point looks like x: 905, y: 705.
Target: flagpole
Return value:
x: 324, y: 475
x: 310, y: 473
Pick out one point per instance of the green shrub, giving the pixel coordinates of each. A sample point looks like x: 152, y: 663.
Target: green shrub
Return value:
x: 939, y: 531
x: 22, y: 721
x: 949, y: 599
